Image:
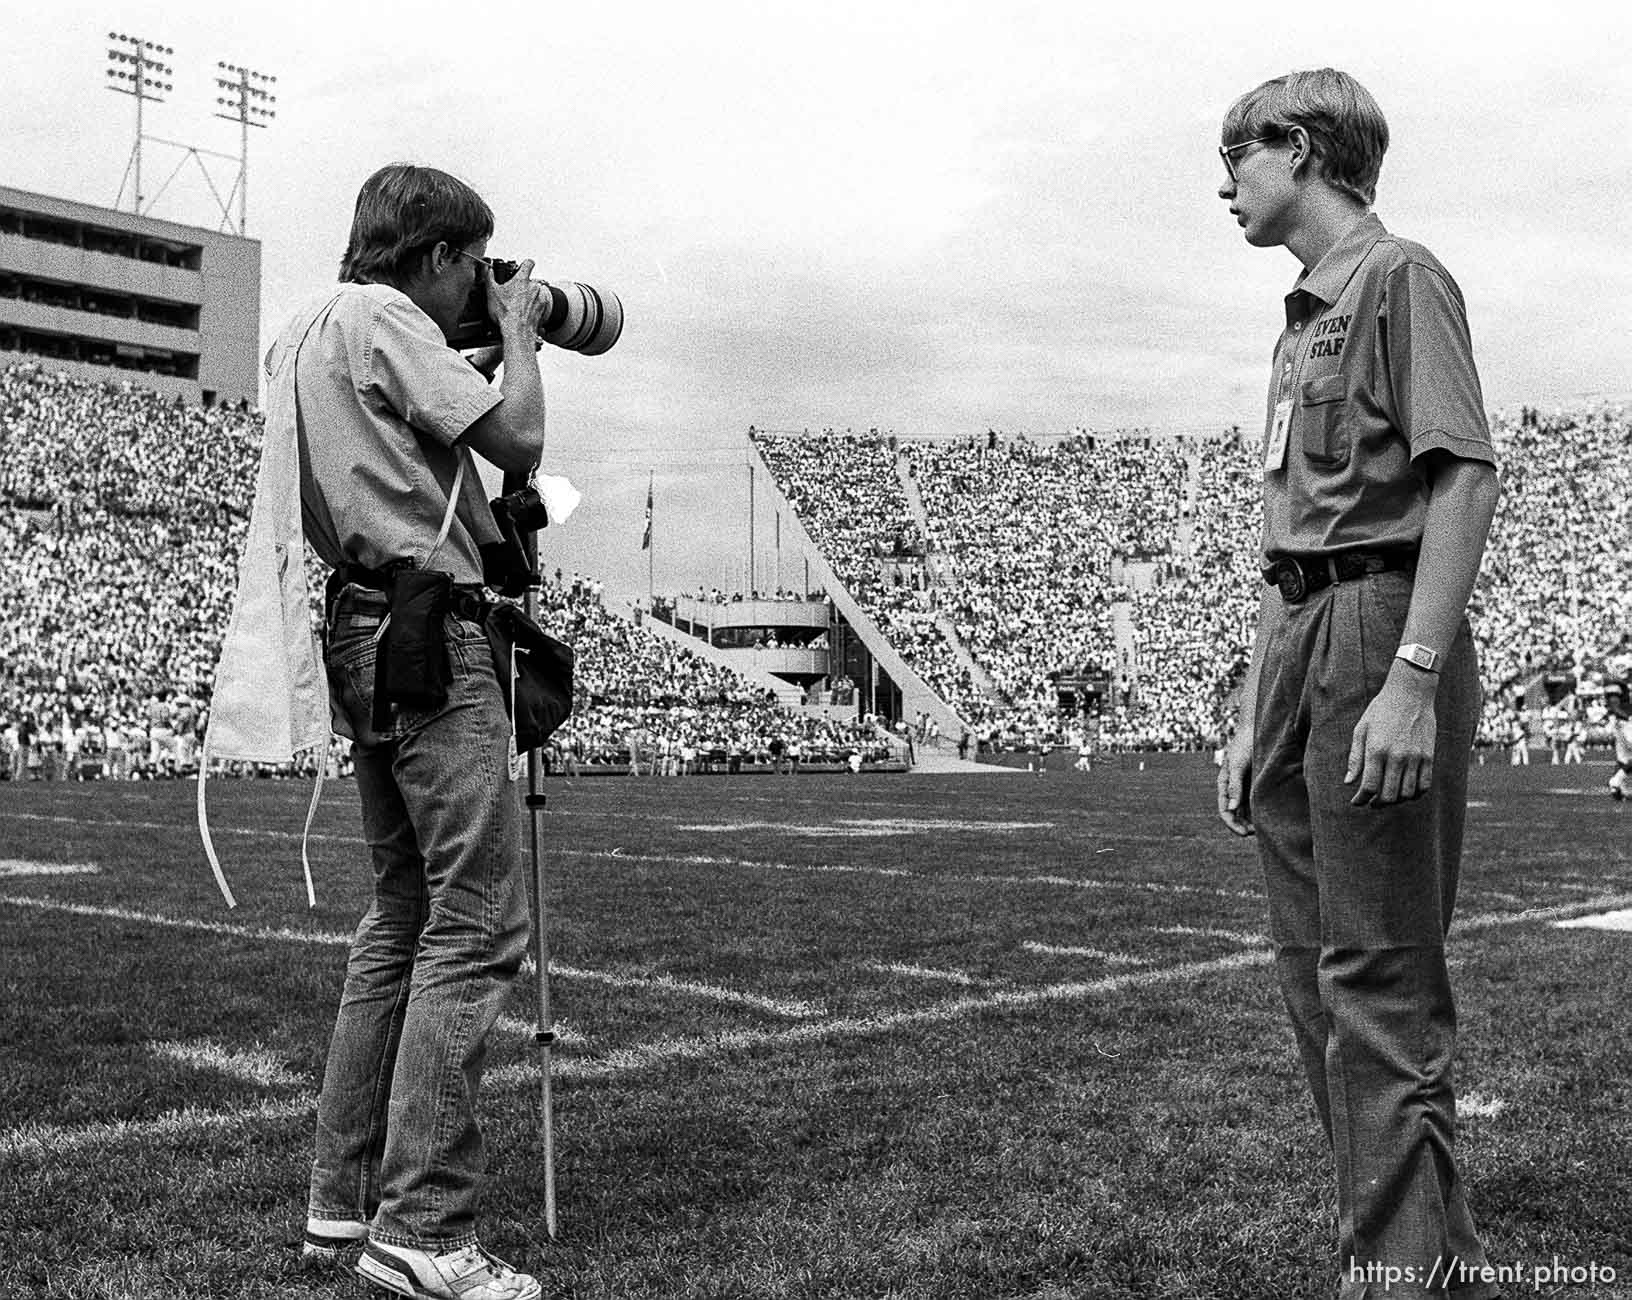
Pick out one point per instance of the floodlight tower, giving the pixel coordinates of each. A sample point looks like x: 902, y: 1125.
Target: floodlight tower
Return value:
x: 144, y: 74
x: 250, y: 103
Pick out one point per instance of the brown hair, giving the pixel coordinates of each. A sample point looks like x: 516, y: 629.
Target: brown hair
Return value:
x: 1343, y: 121
x: 404, y: 211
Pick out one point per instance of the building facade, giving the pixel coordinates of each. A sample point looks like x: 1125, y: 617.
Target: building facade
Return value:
x: 111, y: 295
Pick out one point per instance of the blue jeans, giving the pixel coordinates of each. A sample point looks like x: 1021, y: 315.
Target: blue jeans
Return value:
x: 398, y: 1145
x: 1360, y: 900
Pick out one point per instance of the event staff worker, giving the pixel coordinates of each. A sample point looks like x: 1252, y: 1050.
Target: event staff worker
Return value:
x: 1362, y: 696
x: 386, y: 411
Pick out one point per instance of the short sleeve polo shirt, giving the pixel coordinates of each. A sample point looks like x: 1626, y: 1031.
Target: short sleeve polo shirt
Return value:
x: 1377, y: 365
x: 383, y: 401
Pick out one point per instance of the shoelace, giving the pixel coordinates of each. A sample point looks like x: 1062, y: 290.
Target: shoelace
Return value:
x: 476, y: 1257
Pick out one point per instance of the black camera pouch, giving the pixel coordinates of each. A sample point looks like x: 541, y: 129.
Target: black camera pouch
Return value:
x: 534, y: 671
x: 412, y: 668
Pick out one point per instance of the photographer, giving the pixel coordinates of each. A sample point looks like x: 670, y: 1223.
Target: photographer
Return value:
x: 387, y: 411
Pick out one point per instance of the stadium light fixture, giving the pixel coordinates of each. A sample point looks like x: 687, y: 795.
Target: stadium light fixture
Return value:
x: 250, y: 104
x: 138, y: 68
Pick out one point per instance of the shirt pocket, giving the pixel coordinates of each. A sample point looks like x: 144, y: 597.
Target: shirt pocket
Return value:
x: 1325, y: 432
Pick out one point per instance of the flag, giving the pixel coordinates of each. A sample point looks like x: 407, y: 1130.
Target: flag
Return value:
x: 646, y: 541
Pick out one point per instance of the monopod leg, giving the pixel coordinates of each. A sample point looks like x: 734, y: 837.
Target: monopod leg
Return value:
x: 544, y: 1036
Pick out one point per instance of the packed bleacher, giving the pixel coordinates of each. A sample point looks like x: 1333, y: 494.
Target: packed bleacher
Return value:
x: 1024, y: 539
x: 122, y: 514
x: 1031, y: 532
x: 992, y: 565
x: 853, y: 503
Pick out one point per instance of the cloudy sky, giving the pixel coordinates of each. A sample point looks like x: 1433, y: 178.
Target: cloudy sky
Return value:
x: 928, y: 217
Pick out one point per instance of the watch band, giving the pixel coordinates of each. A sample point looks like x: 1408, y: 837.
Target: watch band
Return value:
x: 1419, y: 656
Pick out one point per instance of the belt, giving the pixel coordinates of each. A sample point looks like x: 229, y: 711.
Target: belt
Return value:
x: 360, y: 607
x: 1300, y: 576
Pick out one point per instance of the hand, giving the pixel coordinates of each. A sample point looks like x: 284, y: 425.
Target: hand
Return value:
x: 519, y: 302
x: 1392, y: 754
x: 486, y: 360
x: 1235, y: 780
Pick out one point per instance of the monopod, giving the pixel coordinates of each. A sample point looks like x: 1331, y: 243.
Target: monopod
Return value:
x: 544, y: 1035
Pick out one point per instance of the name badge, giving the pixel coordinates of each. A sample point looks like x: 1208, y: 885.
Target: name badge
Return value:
x: 1275, y: 443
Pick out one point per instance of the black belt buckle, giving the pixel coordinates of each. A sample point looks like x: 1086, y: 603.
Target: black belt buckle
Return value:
x: 1289, y: 578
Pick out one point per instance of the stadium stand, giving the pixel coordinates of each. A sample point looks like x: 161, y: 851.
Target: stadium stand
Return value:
x: 1032, y: 535
x: 992, y: 565
x: 121, y: 517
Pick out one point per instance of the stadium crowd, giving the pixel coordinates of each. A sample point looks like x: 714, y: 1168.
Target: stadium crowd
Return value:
x: 992, y: 565
x: 122, y: 514
x: 1023, y: 539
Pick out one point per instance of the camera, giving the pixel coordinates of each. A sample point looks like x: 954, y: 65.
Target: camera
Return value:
x: 510, y: 565
x: 523, y: 510
x: 578, y: 317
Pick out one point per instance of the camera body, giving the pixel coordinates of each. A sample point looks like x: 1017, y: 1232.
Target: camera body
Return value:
x: 579, y: 317
x: 510, y: 565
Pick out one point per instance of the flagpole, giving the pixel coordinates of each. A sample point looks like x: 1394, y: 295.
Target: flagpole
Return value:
x: 651, y: 550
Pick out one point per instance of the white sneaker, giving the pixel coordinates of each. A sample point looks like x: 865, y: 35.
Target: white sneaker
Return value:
x: 331, y: 1241
x: 469, y: 1273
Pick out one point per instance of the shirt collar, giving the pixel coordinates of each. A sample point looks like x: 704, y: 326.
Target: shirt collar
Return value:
x: 1332, y: 273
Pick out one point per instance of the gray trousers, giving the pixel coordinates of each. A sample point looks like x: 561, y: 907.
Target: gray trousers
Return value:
x: 1360, y: 900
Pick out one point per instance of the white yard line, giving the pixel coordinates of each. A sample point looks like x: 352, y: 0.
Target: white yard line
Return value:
x: 565, y: 1034
x: 1246, y: 938
x: 666, y: 1051
x: 700, y: 1048
x: 10, y: 868
x: 1096, y: 954
x: 281, y: 934
x: 48, y: 1141
x: 918, y: 972
x: 932, y: 878
x: 249, y: 1065
x: 1618, y: 920
x: 785, y: 1007
x: 42, y: 1141
x: 788, y: 1008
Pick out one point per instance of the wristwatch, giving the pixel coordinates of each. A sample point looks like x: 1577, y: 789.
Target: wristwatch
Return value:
x: 1419, y: 656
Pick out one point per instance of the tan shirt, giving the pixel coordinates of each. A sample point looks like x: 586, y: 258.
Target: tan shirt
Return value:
x: 382, y: 402
x: 1377, y: 364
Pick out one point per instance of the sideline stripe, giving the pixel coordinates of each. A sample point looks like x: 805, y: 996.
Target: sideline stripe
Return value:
x: 1246, y: 938
x: 45, y: 1141
x: 933, y: 878
x: 39, y: 1141
x: 252, y: 1065
x: 918, y: 972
x: 281, y: 934
x: 565, y: 1034
x: 260, y: 831
x: 10, y: 868
x: 706, y: 860
x: 865, y: 827
x: 790, y: 1009
x: 666, y: 1051
x: 1475, y: 1105
x: 1098, y: 954
x: 1619, y: 920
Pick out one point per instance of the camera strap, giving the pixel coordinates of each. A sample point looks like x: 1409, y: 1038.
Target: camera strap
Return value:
x: 441, y: 536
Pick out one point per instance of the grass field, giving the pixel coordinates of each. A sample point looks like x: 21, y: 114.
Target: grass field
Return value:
x: 925, y: 1037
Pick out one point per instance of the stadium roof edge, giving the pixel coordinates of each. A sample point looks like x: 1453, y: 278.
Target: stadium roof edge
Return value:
x: 114, y: 218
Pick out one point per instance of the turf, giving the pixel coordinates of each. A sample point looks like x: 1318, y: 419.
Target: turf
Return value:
x: 927, y: 1037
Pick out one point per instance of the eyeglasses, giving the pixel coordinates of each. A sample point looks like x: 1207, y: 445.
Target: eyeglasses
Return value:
x: 488, y: 262
x: 1226, y: 150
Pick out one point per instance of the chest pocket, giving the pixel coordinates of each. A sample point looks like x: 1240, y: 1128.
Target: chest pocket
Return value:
x: 1324, y: 431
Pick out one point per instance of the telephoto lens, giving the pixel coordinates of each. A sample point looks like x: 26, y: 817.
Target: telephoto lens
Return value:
x: 579, y: 317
